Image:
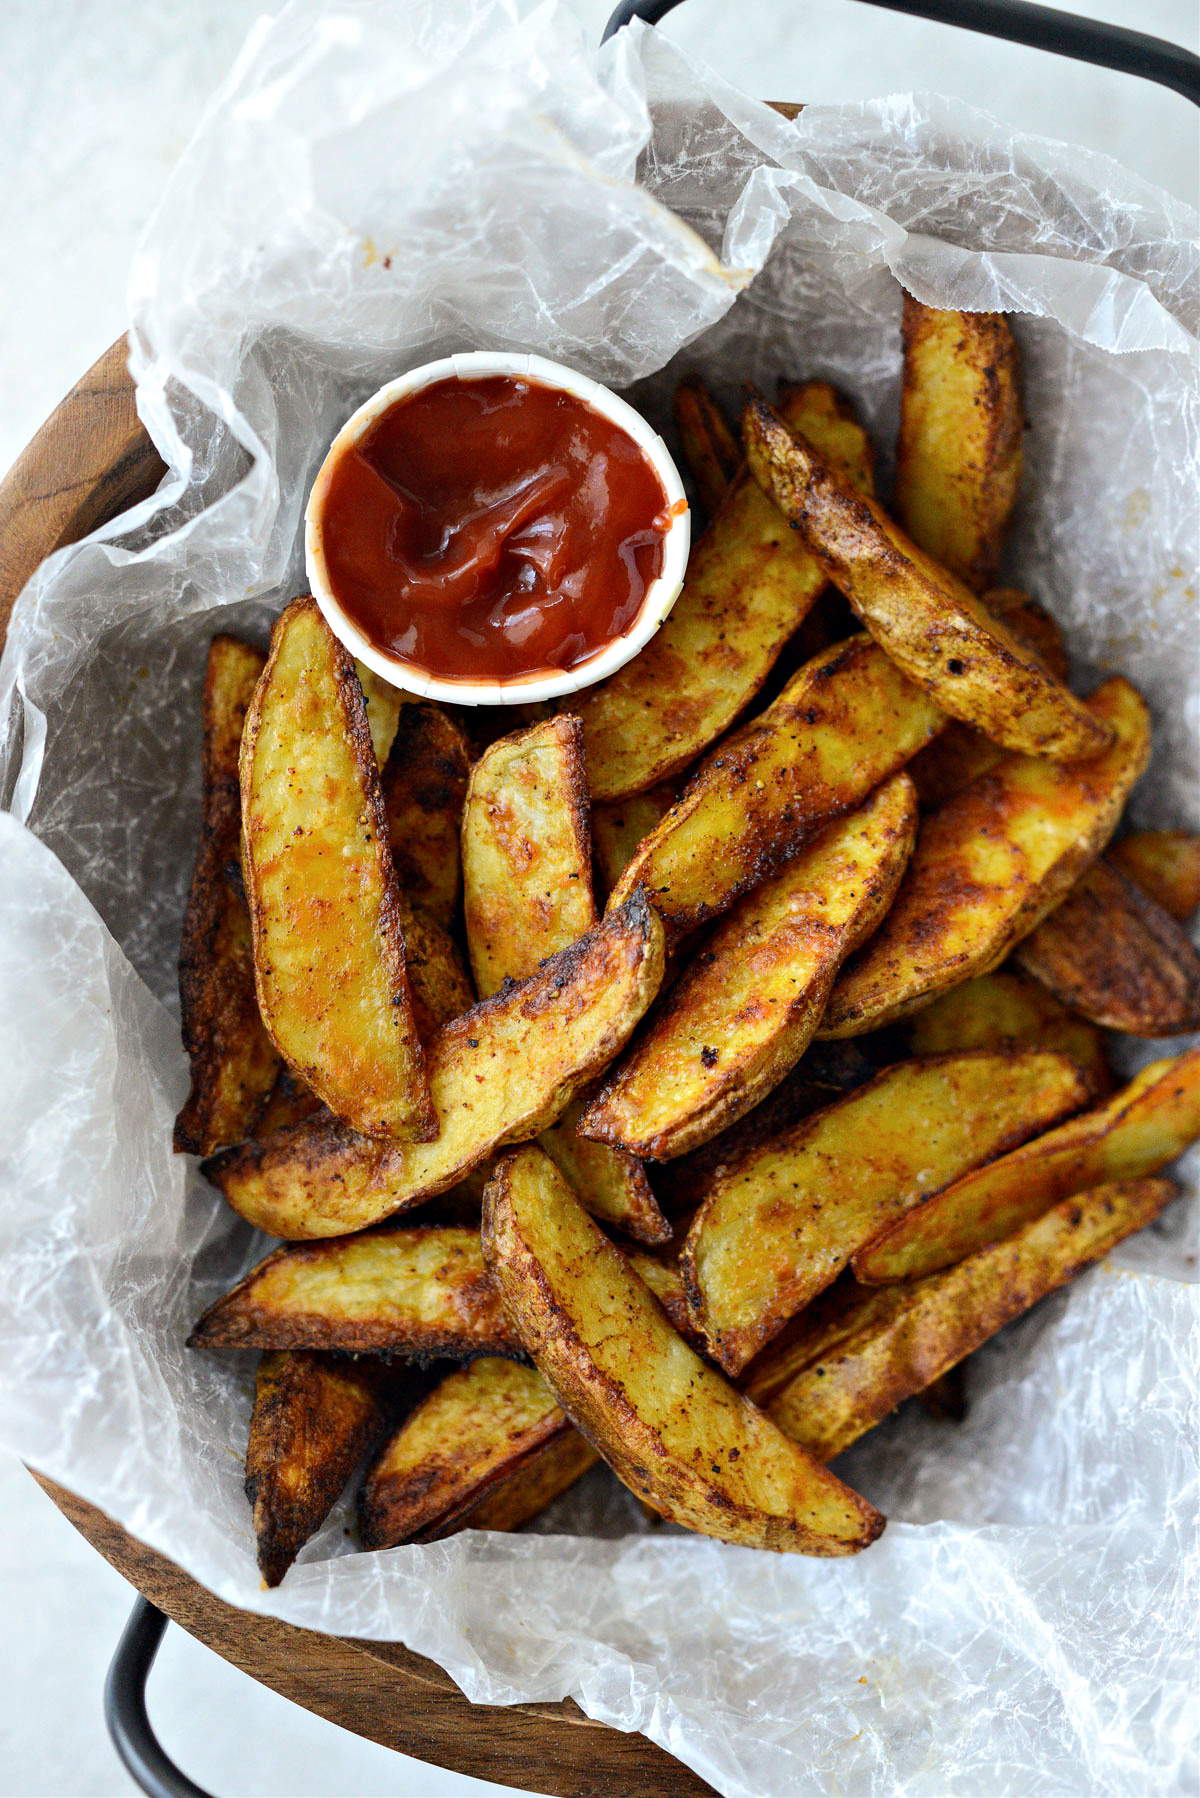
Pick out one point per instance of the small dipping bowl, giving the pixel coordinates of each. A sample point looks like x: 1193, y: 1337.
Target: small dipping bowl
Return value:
x: 660, y: 594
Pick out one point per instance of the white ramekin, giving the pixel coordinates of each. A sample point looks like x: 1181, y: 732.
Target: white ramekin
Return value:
x: 660, y: 596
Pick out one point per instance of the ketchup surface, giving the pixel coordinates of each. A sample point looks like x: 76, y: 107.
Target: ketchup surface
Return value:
x: 484, y: 529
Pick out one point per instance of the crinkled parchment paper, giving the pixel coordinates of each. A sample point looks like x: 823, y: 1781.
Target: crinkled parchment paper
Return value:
x: 373, y: 186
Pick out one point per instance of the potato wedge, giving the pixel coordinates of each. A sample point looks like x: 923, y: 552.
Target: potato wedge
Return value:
x: 328, y: 945
x: 711, y: 451
x: 744, y: 1010
x: 313, y: 1419
x: 611, y: 1182
x: 414, y: 1293
x: 988, y: 867
x: 782, y: 1223
x: 1142, y: 1128
x: 1165, y: 864
x: 234, y: 1064
x: 618, y: 829
x: 1005, y: 1010
x: 662, y: 1275
x: 504, y: 1071
x: 526, y: 852
x: 749, y: 585
x: 424, y: 785
x: 958, y: 459
x: 384, y: 704
x: 439, y: 983
x: 933, y: 627
x: 672, y: 1429
x: 677, y: 1183
x: 488, y: 1448
x: 1117, y: 957
x: 290, y: 1102
x: 857, y: 1353
x: 847, y: 722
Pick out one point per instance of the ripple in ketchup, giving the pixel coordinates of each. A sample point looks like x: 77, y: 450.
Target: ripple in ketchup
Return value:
x: 485, y: 529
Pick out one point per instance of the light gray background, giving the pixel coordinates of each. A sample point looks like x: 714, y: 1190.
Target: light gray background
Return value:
x: 98, y: 99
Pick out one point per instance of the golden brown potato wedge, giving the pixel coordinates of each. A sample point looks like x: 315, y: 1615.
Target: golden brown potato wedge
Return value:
x: 328, y: 945
x: 424, y: 785
x: 678, y: 1183
x: 506, y: 1070
x: 744, y: 1010
x: 710, y: 449
x: 1165, y: 864
x: 1142, y: 1128
x: 384, y: 704
x: 610, y: 1181
x: 439, y: 983
x: 618, y: 829
x: 1117, y: 957
x: 1005, y: 1010
x: 413, y: 1293
x: 783, y: 1222
x: 314, y: 1417
x: 526, y: 852
x: 662, y: 1275
x: 848, y: 721
x: 827, y: 418
x: 488, y: 1448
x: 989, y: 865
x: 233, y: 1061
x: 290, y: 1102
x: 672, y: 1429
x: 857, y: 1352
x: 749, y: 585
x: 958, y: 459
x: 933, y: 627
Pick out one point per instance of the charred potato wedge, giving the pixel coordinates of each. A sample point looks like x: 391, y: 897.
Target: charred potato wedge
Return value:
x: 290, y: 1102
x: 328, y: 943
x: 847, y: 722
x: 958, y: 459
x: 931, y: 625
x: 988, y: 867
x: 1114, y: 955
x: 1003, y: 1011
x: 857, y: 1353
x: 672, y: 1429
x: 505, y: 1071
x: 1145, y: 1126
x: 610, y: 1181
x: 424, y: 786
x: 1165, y: 864
x: 745, y: 1009
x: 488, y: 1448
x: 313, y: 1420
x: 440, y: 986
x: 526, y: 852
x: 619, y: 829
x: 780, y: 1225
x: 710, y: 449
x: 415, y: 1293
x: 233, y: 1061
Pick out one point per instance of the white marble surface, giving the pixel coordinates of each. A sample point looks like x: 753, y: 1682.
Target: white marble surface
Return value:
x: 98, y: 98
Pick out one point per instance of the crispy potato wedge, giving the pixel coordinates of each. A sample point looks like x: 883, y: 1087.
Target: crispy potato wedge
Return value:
x: 328, y: 945
x: 526, y: 852
x: 618, y: 829
x: 745, y: 1009
x: 1165, y: 864
x: 661, y: 1274
x: 290, y: 1102
x: 1117, y: 957
x: 711, y: 451
x: 847, y: 722
x: 671, y: 1428
x: 415, y: 1293
x: 488, y: 1448
x: 988, y: 867
x: 611, y: 1182
x: 857, y: 1353
x: 313, y: 1419
x: 827, y: 418
x: 1142, y: 1128
x: 677, y: 1184
x: 504, y: 1071
x: 424, y: 786
x: 439, y: 983
x: 958, y: 459
x: 1004, y: 1010
x: 931, y: 625
x: 233, y: 1061
x: 384, y: 704
x: 782, y: 1223
x: 749, y: 585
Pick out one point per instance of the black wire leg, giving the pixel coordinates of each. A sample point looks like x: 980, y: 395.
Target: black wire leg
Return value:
x: 125, y: 1708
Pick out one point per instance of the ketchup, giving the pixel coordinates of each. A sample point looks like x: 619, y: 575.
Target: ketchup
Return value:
x: 492, y: 528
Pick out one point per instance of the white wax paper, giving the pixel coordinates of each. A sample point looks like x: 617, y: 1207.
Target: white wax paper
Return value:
x: 376, y: 185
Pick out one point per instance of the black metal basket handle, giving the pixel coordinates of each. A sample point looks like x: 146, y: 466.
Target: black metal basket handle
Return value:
x: 1038, y: 27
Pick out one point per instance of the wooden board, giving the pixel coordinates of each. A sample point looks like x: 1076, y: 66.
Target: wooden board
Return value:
x: 90, y: 461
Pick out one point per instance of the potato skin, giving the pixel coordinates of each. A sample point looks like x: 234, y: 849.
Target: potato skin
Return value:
x: 671, y: 1428
x: 958, y: 458
x: 424, y: 784
x: 1165, y: 864
x: 1115, y: 956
